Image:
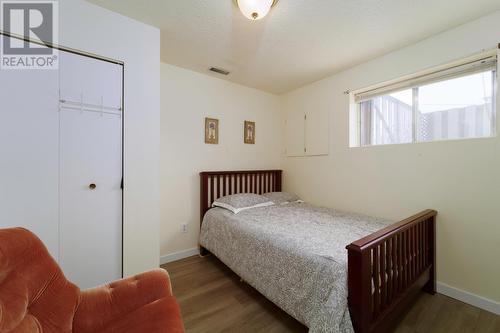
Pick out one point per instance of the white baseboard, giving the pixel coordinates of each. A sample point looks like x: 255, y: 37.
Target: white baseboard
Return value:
x: 178, y: 255
x: 469, y: 298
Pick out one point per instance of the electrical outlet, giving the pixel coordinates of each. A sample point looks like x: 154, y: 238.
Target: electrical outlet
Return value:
x: 184, y: 228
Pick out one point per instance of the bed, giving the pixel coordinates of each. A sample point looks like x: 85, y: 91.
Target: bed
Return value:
x: 296, y: 256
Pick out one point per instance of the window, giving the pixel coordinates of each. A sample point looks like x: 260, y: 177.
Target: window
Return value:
x: 456, y: 102
x: 387, y: 119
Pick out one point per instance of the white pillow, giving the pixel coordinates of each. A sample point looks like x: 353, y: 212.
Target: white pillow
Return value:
x: 281, y: 198
x: 240, y: 202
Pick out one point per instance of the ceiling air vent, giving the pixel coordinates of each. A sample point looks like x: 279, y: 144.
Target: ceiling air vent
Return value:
x: 219, y: 70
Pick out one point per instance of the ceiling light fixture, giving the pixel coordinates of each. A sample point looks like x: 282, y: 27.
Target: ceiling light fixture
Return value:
x: 255, y: 9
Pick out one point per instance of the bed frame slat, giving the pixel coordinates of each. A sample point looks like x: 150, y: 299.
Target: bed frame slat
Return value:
x: 414, y: 253
x: 218, y: 187
x: 212, y: 191
x: 401, y: 253
x: 376, y: 281
x: 394, y: 266
x: 387, y: 271
x: 405, y: 258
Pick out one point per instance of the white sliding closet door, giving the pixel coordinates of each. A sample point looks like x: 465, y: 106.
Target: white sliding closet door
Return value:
x: 60, y: 132
x: 91, y: 223
x: 90, y: 170
x: 29, y: 152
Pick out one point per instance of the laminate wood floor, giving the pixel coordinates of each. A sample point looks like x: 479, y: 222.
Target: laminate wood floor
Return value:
x: 213, y: 299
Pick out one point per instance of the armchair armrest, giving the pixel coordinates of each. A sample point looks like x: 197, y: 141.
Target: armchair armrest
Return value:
x: 101, y: 305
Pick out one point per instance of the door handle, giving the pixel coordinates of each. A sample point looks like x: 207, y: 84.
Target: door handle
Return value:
x: 92, y: 186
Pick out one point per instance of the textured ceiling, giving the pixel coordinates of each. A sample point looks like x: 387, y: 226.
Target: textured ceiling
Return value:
x: 300, y: 41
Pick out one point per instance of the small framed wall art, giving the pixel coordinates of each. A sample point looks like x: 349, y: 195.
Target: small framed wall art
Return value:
x: 212, y: 131
x: 249, y: 132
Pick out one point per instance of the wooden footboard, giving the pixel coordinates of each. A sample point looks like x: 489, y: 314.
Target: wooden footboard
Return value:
x: 387, y: 269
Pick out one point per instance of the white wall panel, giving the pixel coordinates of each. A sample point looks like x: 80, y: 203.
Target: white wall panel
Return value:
x: 29, y: 152
x: 295, y: 133
x: 317, y: 132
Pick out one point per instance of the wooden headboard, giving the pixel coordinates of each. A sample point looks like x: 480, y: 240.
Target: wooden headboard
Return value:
x: 216, y: 184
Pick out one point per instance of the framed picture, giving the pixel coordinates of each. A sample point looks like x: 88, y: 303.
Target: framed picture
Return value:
x: 249, y: 133
x: 212, y: 131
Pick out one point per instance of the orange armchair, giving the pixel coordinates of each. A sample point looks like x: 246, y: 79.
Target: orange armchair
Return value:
x: 36, y: 297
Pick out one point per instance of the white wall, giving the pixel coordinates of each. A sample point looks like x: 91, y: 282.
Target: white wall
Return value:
x: 461, y: 179
x: 90, y: 28
x: 186, y: 99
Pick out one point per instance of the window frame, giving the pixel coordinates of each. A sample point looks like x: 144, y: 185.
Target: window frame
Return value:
x: 355, y: 122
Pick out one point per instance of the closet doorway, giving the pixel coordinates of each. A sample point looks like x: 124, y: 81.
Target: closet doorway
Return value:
x: 61, y: 152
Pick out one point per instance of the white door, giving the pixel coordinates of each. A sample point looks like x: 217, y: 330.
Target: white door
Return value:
x: 29, y: 152
x: 317, y: 132
x: 91, y: 200
x: 90, y: 170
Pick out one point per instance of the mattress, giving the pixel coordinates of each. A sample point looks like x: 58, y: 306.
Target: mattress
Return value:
x: 293, y: 254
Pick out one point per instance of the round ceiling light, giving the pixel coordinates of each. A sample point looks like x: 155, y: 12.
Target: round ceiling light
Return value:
x: 255, y: 9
